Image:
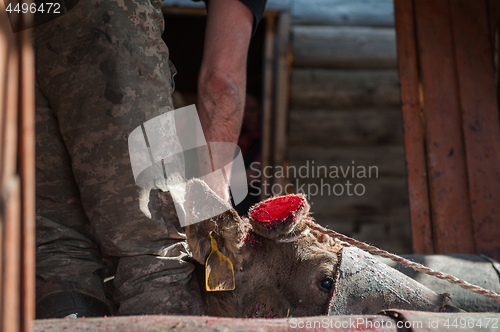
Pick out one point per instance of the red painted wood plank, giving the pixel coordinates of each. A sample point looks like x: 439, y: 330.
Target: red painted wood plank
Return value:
x: 481, y: 126
x: 451, y: 214
x: 413, y: 128
x: 493, y: 10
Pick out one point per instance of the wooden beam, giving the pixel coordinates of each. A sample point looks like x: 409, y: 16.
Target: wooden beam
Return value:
x: 27, y: 174
x: 283, y: 71
x: 11, y: 308
x: 416, y: 166
x: 382, y: 197
x: 449, y: 196
x: 10, y: 192
x: 10, y: 116
x: 387, y: 231
x: 481, y: 125
x: 344, y: 47
x: 388, y: 159
x: 334, y: 128
x: 5, y: 41
x: 267, y: 98
x: 493, y: 9
x: 5, y: 33
x: 343, y: 12
x: 328, y: 88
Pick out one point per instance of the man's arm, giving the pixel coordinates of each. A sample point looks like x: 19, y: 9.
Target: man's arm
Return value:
x: 222, y: 80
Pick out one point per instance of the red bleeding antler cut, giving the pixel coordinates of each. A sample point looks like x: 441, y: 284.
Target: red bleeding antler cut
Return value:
x: 278, y: 209
x: 278, y: 216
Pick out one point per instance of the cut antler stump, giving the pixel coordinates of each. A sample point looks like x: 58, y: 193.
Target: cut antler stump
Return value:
x: 278, y: 216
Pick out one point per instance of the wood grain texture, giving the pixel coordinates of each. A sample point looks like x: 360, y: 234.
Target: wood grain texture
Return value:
x: 323, y: 88
x: 493, y: 11
x: 388, y: 159
x: 267, y: 96
x: 334, y: 128
x: 10, y: 188
x: 5, y: 41
x: 10, y: 113
x: 17, y: 176
x: 344, y: 47
x: 414, y: 140
x: 27, y: 174
x: 169, y: 323
x: 173, y: 5
x: 449, y: 196
x: 481, y: 126
x: 343, y: 12
x: 390, y: 232
x: 11, y: 301
x: 283, y: 72
x: 383, y: 196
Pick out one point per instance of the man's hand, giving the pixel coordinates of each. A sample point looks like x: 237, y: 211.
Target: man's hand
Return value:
x: 222, y: 80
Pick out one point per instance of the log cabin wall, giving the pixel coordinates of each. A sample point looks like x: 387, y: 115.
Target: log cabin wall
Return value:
x: 345, y: 108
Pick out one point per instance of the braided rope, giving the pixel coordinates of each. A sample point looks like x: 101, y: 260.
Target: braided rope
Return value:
x: 406, y: 262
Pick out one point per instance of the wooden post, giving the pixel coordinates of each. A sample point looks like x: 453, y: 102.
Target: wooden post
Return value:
x: 283, y: 69
x: 449, y: 196
x: 9, y: 188
x: 27, y: 174
x: 17, y: 175
x: 458, y: 69
x: 10, y: 197
x: 267, y: 104
x: 416, y: 166
x: 4, y: 54
x: 493, y: 11
x: 481, y: 126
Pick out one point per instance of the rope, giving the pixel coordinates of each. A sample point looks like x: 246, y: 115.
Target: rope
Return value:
x: 406, y: 262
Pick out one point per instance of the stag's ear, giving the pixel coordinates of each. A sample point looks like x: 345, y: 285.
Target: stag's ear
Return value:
x: 207, y: 213
x: 280, y: 216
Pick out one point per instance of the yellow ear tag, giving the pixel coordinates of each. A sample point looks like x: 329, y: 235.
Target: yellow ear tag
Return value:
x: 219, y: 273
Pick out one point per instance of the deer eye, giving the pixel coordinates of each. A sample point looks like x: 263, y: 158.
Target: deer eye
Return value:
x: 326, y: 284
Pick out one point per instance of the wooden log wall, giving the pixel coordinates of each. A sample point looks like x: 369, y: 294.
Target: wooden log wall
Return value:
x: 448, y: 60
x: 17, y: 176
x: 345, y: 107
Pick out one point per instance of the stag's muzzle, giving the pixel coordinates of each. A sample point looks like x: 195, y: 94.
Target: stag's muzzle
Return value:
x: 364, y: 285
